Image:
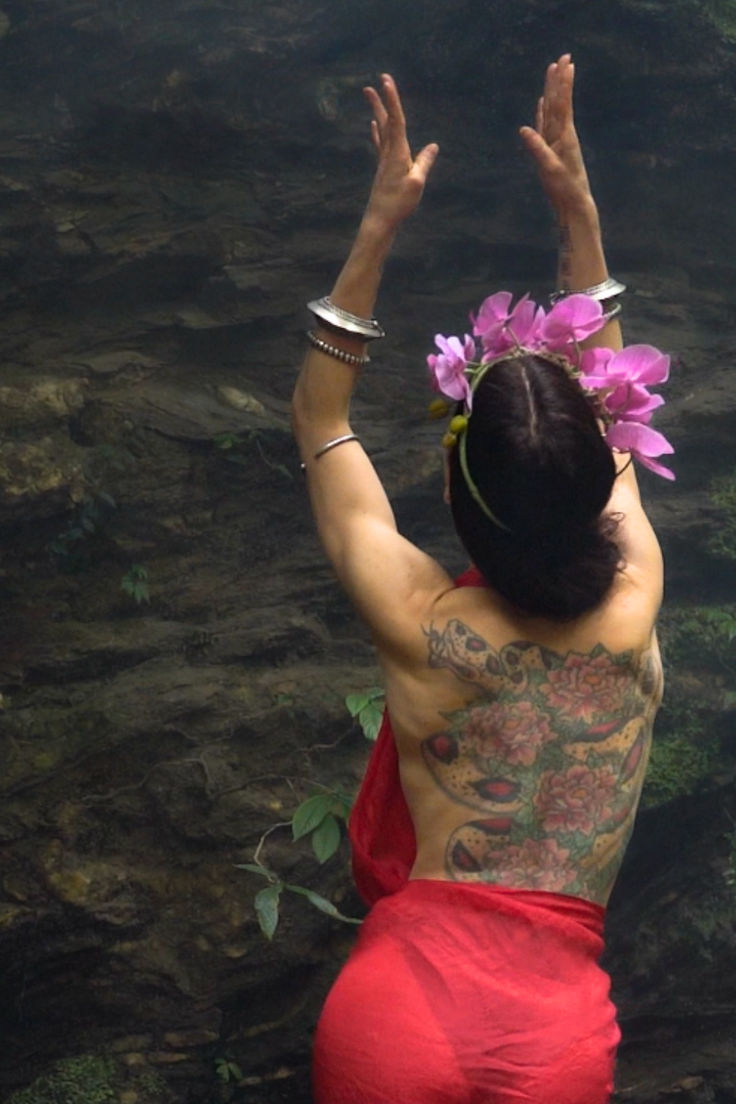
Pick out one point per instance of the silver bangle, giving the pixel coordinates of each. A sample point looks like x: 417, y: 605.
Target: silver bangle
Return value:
x: 607, y: 289
x: 339, y: 354
x: 338, y: 319
x: 614, y: 312
x: 332, y: 444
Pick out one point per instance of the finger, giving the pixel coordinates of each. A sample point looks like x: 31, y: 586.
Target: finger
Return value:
x: 558, y: 106
x: 565, y: 78
x: 539, y: 115
x: 394, y: 109
x: 553, y: 99
x: 425, y: 159
x: 376, y: 103
x: 561, y: 74
x: 375, y: 136
x: 546, y: 159
x: 549, y: 78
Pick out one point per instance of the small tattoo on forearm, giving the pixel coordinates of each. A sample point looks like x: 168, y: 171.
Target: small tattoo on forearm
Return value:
x: 565, y: 262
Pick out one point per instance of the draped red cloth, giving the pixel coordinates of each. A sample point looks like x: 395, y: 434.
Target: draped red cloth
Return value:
x: 459, y: 993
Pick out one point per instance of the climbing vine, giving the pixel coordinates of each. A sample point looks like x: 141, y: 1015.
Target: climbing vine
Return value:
x: 322, y: 817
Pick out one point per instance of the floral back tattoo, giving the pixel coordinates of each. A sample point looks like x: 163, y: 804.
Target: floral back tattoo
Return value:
x: 550, y: 755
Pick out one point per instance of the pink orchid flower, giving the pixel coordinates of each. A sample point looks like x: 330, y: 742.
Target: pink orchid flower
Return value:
x: 593, y: 365
x: 642, y: 442
x: 500, y: 329
x: 571, y: 320
x: 621, y: 377
x: 631, y: 402
x: 641, y: 364
x: 492, y: 314
x: 447, y: 370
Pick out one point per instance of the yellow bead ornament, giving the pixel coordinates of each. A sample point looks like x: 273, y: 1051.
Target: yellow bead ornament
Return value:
x: 438, y: 408
x: 457, y: 426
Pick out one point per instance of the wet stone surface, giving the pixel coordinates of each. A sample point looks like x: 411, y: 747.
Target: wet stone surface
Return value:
x: 175, y: 181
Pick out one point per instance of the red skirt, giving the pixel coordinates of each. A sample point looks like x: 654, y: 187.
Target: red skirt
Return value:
x: 462, y: 993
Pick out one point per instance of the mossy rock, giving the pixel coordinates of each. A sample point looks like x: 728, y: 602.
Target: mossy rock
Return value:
x: 94, y: 1079
x: 88, y: 1079
x: 718, y: 14
x: 722, y: 14
x: 723, y: 495
x: 678, y: 765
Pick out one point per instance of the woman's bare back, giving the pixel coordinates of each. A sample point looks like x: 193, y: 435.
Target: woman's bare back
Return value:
x: 523, y: 762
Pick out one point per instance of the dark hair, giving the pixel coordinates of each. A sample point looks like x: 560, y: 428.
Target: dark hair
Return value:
x: 540, y: 463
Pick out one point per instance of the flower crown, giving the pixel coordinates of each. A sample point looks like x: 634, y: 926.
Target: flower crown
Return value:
x: 617, y: 383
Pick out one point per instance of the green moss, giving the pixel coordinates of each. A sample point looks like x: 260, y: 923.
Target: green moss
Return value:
x: 677, y: 766
x: 151, y: 1087
x: 719, y: 14
x: 685, y: 750
x: 723, y: 495
x: 701, y: 638
x: 88, y: 1079
x: 722, y: 14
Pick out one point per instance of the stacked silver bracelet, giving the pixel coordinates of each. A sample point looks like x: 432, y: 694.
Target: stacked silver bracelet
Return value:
x: 613, y: 311
x: 607, y: 289
x: 338, y: 319
x: 339, y: 354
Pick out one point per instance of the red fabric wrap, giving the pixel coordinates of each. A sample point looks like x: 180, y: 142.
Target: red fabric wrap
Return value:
x: 460, y: 993
x: 470, y: 994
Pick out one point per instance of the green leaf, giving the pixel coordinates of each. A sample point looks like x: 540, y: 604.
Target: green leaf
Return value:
x: 367, y: 708
x: 326, y: 838
x: 226, y: 440
x: 342, y: 807
x: 310, y: 814
x: 267, y: 908
x: 357, y: 702
x: 255, y: 868
x: 322, y: 903
x: 370, y: 720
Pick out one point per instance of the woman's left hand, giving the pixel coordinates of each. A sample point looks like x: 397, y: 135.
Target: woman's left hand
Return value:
x: 554, y: 143
x: 399, y: 181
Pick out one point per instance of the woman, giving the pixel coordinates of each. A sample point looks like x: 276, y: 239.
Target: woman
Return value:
x: 521, y: 697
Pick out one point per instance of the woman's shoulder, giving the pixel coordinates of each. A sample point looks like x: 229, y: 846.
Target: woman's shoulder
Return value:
x: 479, y: 616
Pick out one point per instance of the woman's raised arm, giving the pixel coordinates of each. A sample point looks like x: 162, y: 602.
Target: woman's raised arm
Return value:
x: 553, y: 143
x: 387, y: 577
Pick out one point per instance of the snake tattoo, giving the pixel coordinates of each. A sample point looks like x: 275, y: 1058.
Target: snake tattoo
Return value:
x: 549, y: 755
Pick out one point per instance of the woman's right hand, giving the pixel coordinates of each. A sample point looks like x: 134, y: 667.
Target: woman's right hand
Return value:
x: 400, y: 178
x: 553, y: 142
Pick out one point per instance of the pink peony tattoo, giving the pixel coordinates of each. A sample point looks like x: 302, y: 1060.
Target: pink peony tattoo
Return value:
x: 586, y: 687
x: 514, y: 732
x: 535, y: 864
x: 576, y: 800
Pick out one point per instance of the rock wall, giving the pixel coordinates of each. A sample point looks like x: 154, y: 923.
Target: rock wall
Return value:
x: 177, y: 179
